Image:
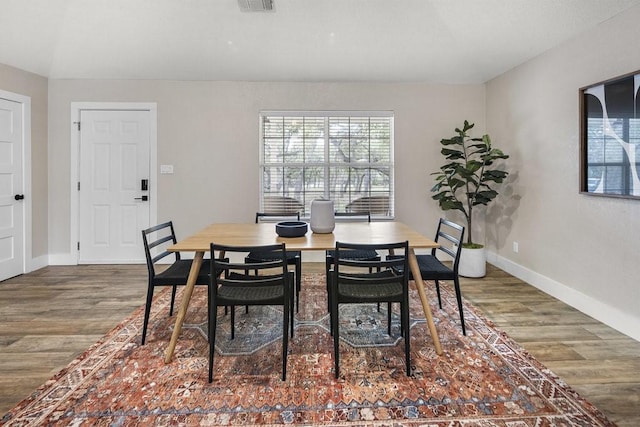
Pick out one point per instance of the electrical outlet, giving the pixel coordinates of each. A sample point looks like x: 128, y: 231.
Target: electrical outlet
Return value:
x: 515, y: 247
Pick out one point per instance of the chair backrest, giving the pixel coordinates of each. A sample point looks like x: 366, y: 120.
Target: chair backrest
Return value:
x: 377, y: 205
x: 279, y: 215
x: 156, y: 239
x: 449, y: 236
x: 281, y: 205
x: 270, y: 271
x: 367, y: 272
x: 354, y: 216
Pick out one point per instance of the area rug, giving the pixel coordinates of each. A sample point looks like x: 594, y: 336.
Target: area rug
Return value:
x: 482, y: 379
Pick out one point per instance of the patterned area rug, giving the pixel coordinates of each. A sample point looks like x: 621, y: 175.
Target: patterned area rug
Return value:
x: 483, y: 379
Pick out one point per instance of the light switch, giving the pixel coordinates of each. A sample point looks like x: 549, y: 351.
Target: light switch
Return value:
x: 166, y: 169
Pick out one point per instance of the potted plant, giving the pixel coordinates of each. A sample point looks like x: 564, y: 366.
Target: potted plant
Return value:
x: 464, y: 182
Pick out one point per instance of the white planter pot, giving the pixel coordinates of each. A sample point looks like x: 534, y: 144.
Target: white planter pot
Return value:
x: 473, y: 262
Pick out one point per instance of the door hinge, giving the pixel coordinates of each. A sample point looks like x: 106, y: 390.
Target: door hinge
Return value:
x: 78, y: 245
x: 78, y: 124
x: 78, y: 185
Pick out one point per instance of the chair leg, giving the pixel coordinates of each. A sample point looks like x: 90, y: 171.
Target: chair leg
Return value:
x: 404, y: 314
x: 456, y: 283
x: 147, y: 311
x: 212, y: 334
x: 328, y: 264
x: 388, y: 317
x: 330, y: 303
x: 285, y: 335
x: 298, y: 282
x: 291, y: 313
x: 233, y: 321
x: 336, y: 338
x: 173, y: 299
x: 438, y: 291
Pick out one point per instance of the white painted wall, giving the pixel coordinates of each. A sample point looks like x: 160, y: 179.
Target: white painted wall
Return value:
x: 583, y: 249
x: 209, y: 132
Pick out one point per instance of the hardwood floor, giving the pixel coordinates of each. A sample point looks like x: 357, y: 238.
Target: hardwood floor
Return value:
x: 50, y: 316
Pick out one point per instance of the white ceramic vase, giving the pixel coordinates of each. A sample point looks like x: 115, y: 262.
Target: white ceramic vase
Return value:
x: 323, y: 219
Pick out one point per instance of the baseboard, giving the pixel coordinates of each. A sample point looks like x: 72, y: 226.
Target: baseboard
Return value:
x: 63, y: 259
x: 610, y: 316
x: 38, y: 263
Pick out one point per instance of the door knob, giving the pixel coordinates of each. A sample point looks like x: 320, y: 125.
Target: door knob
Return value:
x: 143, y: 198
x: 19, y: 196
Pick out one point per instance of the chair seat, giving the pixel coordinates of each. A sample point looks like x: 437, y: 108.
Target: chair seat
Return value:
x: 355, y: 254
x: 369, y: 291
x: 242, y: 295
x: 176, y: 273
x: 374, y: 293
x: 270, y: 256
x: 432, y: 269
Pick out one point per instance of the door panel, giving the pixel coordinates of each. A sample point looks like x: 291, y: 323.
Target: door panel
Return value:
x: 11, y: 184
x: 114, y: 159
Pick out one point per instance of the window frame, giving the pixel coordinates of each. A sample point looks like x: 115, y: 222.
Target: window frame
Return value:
x: 326, y: 163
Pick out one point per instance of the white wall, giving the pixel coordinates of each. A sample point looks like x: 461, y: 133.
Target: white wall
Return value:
x: 209, y: 132
x: 583, y: 249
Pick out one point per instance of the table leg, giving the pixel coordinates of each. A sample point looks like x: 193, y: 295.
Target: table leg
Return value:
x: 186, y: 297
x: 417, y: 277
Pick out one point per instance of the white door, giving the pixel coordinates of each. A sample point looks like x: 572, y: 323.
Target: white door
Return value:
x: 113, y: 196
x: 11, y: 190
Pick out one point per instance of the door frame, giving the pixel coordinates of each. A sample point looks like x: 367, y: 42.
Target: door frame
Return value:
x: 25, y: 101
x: 76, y: 108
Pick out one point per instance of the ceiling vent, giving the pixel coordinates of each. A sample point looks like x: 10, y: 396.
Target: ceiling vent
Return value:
x: 256, y: 5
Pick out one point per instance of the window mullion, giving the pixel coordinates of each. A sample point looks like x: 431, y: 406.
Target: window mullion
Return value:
x: 327, y: 160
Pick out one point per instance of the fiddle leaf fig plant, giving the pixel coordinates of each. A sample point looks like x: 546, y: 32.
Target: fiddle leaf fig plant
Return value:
x: 467, y: 178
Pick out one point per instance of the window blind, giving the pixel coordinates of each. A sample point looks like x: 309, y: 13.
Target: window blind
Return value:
x: 343, y: 156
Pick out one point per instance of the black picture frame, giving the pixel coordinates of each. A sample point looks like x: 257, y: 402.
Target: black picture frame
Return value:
x: 610, y: 137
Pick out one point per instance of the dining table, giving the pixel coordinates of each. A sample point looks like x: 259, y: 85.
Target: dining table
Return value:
x: 264, y: 233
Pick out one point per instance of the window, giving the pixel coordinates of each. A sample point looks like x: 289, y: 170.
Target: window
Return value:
x: 343, y: 156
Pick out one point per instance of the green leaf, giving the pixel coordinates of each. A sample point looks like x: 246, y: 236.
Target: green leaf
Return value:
x: 448, y: 204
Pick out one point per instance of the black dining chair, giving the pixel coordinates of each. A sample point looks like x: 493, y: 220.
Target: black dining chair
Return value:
x: 156, y: 239
x: 293, y: 257
x: 362, y: 254
x: 230, y: 285
x: 356, y: 281
x: 449, y: 236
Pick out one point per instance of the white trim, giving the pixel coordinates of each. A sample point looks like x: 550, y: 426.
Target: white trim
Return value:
x: 40, y: 262
x: 610, y: 316
x: 63, y: 259
x: 327, y: 113
x: 25, y: 101
x: 76, y: 108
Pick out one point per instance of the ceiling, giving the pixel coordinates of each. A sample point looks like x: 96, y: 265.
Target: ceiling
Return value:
x: 433, y: 41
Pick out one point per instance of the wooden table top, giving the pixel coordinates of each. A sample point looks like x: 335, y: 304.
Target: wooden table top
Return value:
x: 265, y: 233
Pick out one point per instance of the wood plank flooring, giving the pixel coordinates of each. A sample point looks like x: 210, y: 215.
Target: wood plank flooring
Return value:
x: 50, y: 316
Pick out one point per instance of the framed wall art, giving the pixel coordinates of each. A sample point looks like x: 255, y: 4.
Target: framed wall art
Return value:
x: 610, y: 137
